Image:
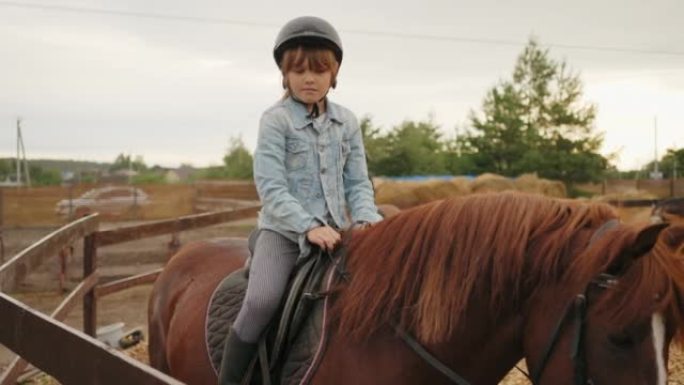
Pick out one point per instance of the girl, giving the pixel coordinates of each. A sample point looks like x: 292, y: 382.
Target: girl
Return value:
x: 309, y: 170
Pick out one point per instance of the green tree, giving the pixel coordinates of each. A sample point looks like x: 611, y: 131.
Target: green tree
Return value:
x: 537, y: 122
x: 149, y: 177
x: 458, y: 160
x: 44, y: 177
x: 412, y: 148
x: 127, y: 162
x: 5, y: 169
x: 238, y: 161
x: 376, y: 145
x: 672, y: 159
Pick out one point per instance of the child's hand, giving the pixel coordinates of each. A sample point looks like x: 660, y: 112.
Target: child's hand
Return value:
x: 361, y: 225
x: 324, y: 237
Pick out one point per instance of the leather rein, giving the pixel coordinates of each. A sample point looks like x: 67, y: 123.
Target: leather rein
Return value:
x: 576, y: 312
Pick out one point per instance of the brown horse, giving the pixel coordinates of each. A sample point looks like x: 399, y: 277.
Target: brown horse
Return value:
x: 480, y: 282
x: 670, y: 210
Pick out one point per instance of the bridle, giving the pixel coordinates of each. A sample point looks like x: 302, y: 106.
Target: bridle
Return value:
x: 576, y: 311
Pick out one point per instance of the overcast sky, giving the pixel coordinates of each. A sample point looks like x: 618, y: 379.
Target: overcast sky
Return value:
x: 174, y: 89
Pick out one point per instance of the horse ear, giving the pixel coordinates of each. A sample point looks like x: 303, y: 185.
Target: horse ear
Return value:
x: 645, y: 240
x: 643, y: 243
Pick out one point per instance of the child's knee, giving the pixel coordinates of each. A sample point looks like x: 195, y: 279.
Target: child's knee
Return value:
x: 263, y: 306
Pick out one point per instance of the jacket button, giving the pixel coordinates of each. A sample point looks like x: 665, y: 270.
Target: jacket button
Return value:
x: 322, y: 170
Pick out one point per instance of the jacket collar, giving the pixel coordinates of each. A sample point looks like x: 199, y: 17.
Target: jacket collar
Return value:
x: 301, y: 117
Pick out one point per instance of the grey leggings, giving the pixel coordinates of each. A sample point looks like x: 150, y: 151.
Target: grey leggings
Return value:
x: 273, y: 259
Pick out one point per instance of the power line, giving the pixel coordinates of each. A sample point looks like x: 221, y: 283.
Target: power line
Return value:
x: 515, y: 43
x: 147, y: 15
x: 374, y: 33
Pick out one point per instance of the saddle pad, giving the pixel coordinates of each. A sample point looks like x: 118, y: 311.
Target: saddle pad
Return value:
x: 224, y: 306
x: 303, y: 352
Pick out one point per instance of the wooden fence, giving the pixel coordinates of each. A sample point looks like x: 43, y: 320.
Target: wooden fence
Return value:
x: 74, y: 356
x: 31, y: 207
x: 214, y: 196
x: 659, y: 189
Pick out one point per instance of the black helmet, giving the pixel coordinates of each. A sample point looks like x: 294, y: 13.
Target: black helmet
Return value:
x: 307, y: 31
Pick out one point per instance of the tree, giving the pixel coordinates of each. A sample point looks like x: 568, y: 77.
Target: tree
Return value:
x: 238, y: 160
x: 673, y: 159
x: 536, y: 122
x: 375, y: 144
x: 5, y: 168
x: 411, y: 148
x: 125, y: 162
x: 44, y: 177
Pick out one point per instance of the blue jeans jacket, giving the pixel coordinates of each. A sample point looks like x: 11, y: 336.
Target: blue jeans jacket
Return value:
x: 309, y: 173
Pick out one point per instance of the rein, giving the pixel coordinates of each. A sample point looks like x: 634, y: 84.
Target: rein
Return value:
x: 576, y: 311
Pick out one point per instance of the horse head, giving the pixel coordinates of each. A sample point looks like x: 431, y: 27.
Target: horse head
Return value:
x: 611, y: 318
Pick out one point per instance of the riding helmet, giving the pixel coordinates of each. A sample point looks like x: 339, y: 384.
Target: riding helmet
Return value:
x: 308, y: 31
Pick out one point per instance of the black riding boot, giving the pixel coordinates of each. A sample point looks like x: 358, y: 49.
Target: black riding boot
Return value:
x: 237, y: 355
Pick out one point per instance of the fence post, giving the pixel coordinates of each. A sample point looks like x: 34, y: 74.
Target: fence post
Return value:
x: 2, y: 223
x: 604, y: 186
x: 89, y: 299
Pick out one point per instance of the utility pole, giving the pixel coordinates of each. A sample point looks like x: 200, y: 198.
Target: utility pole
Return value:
x: 21, y: 157
x: 674, y: 159
x: 18, y: 152
x: 655, y: 143
x: 656, y: 174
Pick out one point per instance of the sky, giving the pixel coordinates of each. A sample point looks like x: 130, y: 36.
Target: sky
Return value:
x: 173, y: 81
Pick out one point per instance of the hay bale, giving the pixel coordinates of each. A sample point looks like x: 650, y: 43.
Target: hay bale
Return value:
x: 462, y: 185
x: 529, y: 183
x: 554, y: 188
x: 436, y: 190
x: 410, y: 194
x: 377, y: 181
x: 399, y: 194
x: 532, y: 184
x: 491, y: 183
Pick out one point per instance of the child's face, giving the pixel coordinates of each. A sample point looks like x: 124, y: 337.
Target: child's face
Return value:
x: 307, y: 85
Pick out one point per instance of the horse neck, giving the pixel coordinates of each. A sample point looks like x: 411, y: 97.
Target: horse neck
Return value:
x: 482, y: 354
x: 486, y: 347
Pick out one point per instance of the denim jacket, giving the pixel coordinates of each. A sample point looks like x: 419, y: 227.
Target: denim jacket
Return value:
x: 309, y: 173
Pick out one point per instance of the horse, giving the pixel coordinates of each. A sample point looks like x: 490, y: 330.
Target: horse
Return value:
x: 669, y: 210
x: 460, y: 290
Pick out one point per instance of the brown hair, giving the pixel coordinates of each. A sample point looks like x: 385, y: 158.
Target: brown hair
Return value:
x: 318, y: 59
x: 424, y: 267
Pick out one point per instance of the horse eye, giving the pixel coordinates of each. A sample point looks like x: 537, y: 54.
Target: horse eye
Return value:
x: 621, y: 340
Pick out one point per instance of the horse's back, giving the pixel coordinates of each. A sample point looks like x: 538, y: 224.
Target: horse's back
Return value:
x: 184, y: 288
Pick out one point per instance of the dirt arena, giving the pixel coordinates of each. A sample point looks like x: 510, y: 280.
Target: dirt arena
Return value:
x: 41, y: 290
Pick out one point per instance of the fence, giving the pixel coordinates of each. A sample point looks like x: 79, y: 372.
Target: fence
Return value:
x: 27, y: 332
x: 659, y: 189
x: 213, y: 196
x: 31, y: 207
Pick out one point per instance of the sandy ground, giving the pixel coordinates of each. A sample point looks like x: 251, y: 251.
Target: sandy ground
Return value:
x: 41, y: 289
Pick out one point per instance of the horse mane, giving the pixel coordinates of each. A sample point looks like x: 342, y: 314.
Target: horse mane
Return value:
x: 421, y: 268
